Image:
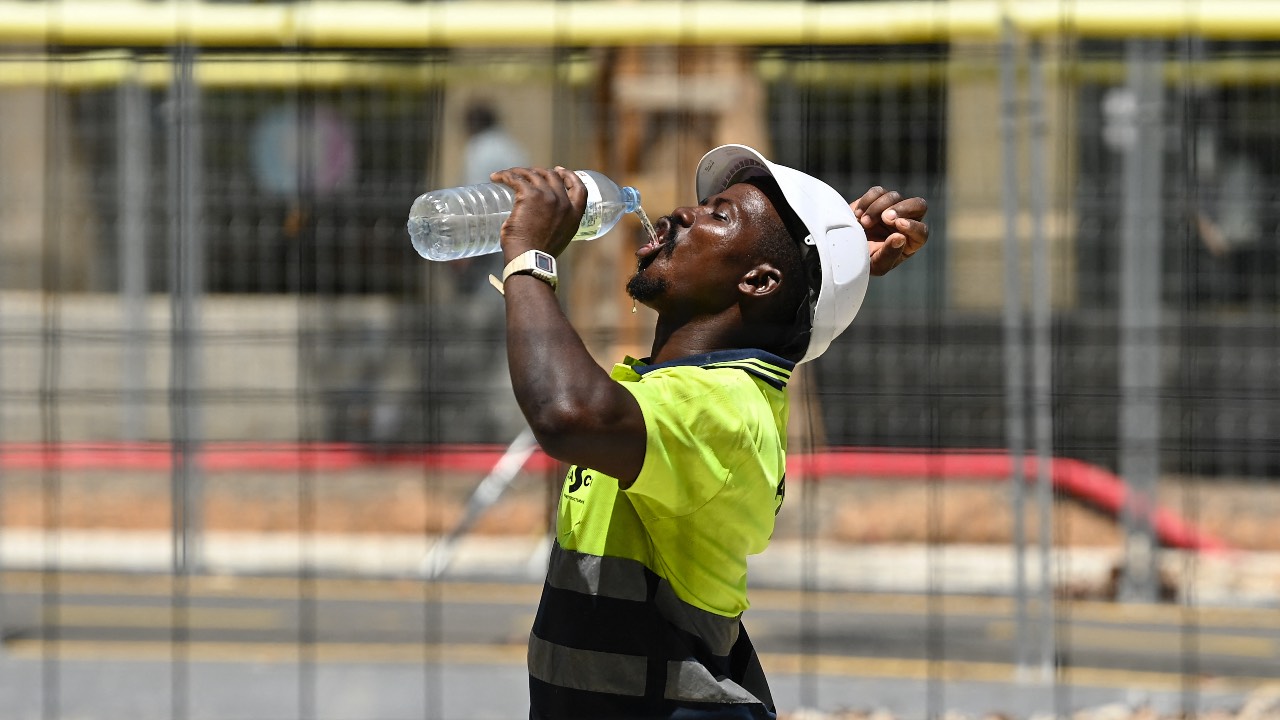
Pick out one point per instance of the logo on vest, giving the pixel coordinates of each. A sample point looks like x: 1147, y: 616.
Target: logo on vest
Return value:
x: 580, y: 478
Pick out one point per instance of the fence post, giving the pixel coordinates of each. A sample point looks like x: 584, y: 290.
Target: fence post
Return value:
x: 1015, y: 397
x: 1041, y: 352
x: 1140, y: 269
x: 186, y: 289
x: 132, y: 171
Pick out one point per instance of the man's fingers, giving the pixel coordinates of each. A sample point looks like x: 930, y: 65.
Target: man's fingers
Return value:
x: 888, y: 206
x: 533, y: 176
x: 573, y: 183
x: 517, y: 178
x: 885, y: 250
x: 876, y: 210
x: 897, y: 247
x: 860, y: 205
x: 547, y: 185
x: 913, y: 234
x: 911, y: 208
x: 884, y: 256
x: 893, y: 226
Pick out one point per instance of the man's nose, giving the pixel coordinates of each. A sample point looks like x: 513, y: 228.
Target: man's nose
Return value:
x: 683, y: 215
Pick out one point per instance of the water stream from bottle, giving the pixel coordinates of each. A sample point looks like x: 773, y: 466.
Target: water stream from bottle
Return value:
x: 653, y: 235
x: 648, y: 226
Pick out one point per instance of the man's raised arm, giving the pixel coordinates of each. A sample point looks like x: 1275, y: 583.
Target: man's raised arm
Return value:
x: 576, y: 411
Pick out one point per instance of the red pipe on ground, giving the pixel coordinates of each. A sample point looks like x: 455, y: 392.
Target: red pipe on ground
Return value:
x: 1086, y: 482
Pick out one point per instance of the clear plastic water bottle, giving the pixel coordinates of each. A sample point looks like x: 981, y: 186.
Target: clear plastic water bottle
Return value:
x: 465, y: 221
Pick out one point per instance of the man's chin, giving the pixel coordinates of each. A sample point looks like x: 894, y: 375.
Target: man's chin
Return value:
x: 645, y: 289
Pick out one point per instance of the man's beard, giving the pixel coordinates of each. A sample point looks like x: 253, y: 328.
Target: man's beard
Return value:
x: 644, y: 289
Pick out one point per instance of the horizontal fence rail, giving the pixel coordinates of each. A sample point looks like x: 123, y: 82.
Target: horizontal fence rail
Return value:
x: 289, y: 69
x: 534, y: 24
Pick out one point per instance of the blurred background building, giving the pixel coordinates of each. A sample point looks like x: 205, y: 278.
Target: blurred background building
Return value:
x: 301, y: 160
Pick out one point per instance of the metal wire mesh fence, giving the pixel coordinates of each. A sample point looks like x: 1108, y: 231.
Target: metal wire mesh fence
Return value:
x: 259, y: 460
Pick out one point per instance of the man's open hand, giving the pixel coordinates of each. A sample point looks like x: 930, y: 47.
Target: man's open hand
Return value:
x: 893, y: 226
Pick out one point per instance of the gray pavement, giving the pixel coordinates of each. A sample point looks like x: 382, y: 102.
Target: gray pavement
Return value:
x: 910, y: 630
x: 73, y: 689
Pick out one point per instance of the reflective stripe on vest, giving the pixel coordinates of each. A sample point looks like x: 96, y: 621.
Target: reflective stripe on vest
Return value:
x: 618, y: 578
x: 690, y: 681
x: 603, y: 672
x: 624, y: 579
x: 586, y: 669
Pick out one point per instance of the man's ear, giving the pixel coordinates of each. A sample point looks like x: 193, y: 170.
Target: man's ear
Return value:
x: 761, y: 280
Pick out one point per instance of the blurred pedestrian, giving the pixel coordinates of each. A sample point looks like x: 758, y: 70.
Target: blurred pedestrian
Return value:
x: 1234, y: 226
x: 489, y: 146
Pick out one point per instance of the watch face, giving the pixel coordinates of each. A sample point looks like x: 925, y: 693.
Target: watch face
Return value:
x: 544, y: 262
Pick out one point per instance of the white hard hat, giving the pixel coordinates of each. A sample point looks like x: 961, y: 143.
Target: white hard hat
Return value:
x: 833, y: 231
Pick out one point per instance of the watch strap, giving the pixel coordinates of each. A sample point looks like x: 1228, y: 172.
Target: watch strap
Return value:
x: 531, y: 262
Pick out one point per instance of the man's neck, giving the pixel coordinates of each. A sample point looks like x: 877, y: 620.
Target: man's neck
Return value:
x: 675, y: 340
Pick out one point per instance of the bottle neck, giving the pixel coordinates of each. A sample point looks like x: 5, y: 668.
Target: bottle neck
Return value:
x: 630, y: 199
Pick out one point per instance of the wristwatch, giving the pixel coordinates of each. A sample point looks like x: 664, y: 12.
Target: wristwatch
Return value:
x: 533, y: 262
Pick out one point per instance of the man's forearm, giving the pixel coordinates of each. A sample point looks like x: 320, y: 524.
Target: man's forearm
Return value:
x: 550, y: 366
x: 577, y: 412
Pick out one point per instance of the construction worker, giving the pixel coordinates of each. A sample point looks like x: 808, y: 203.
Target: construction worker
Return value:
x: 678, y: 461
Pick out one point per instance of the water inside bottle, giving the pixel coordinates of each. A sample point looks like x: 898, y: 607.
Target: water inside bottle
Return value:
x: 648, y: 226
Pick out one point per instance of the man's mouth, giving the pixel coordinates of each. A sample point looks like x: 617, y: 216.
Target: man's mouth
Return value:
x: 665, y: 239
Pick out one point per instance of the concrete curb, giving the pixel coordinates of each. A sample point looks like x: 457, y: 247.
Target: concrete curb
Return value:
x: 1236, y: 579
